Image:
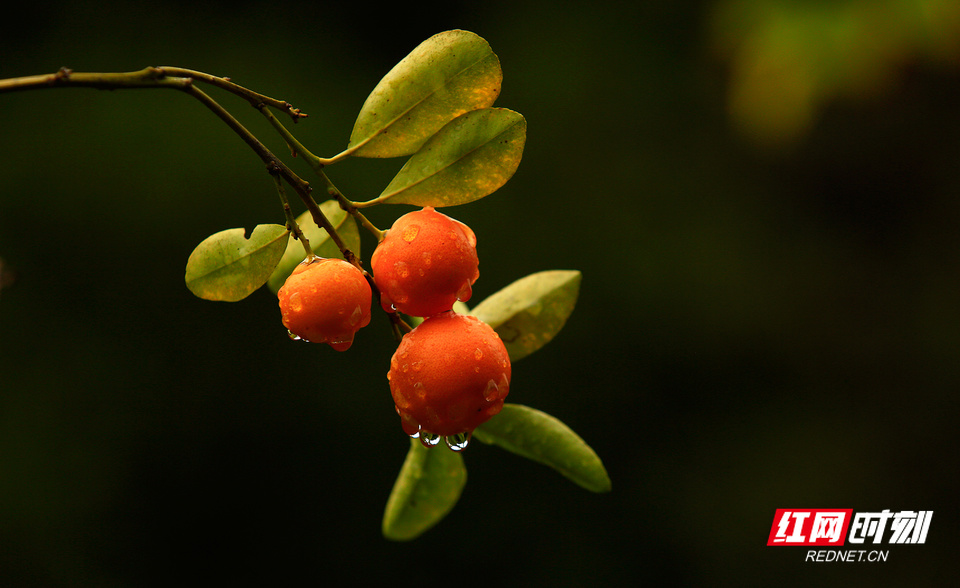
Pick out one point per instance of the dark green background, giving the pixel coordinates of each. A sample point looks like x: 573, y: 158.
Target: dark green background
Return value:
x: 757, y: 328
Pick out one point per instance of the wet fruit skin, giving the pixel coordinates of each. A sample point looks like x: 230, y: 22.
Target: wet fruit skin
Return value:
x: 325, y: 301
x: 449, y: 375
x: 425, y: 263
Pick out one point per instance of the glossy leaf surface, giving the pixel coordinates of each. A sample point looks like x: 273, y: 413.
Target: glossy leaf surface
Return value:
x: 228, y: 266
x: 445, y: 76
x: 543, y: 438
x: 320, y: 242
x: 428, y: 487
x: 531, y: 311
x: 471, y: 157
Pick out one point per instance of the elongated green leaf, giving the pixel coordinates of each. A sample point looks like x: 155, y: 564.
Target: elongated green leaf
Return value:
x: 428, y: 487
x: 543, y: 438
x: 445, y: 76
x: 228, y: 266
x: 531, y: 311
x: 320, y: 241
x: 471, y: 157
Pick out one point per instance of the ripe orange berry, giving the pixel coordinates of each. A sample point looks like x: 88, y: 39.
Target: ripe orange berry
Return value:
x: 448, y: 376
x: 325, y: 301
x: 425, y: 263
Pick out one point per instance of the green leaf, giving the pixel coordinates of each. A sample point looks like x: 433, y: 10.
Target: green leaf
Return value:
x: 228, y: 266
x: 428, y: 487
x: 471, y: 157
x: 320, y: 241
x: 445, y: 76
x: 531, y: 311
x: 543, y: 438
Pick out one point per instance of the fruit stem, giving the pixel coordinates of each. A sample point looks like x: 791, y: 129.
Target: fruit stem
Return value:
x: 347, y: 205
x: 292, y: 225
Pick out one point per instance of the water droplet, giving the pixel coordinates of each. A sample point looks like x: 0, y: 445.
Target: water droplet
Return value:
x: 402, y: 269
x: 417, y: 366
x: 492, y: 391
x: 427, y: 258
x: 294, y: 336
x: 355, y: 316
x: 420, y: 390
x: 465, y: 292
x: 410, y: 233
x: 504, y: 386
x: 478, y: 353
x: 341, y: 344
x: 296, y: 302
x: 429, y: 439
x: 457, y: 442
x: 409, y: 424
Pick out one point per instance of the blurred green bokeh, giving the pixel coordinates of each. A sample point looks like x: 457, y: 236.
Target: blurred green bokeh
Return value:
x: 763, y: 200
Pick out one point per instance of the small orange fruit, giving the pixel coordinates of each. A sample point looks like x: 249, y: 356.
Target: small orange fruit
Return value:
x: 449, y: 375
x: 425, y: 263
x: 325, y: 300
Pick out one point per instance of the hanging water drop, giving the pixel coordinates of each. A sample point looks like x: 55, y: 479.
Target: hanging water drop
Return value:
x: 294, y: 336
x: 465, y: 292
x: 409, y: 425
x: 429, y: 439
x: 457, y: 442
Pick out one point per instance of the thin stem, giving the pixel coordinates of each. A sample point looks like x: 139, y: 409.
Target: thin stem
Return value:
x: 256, y: 99
x: 150, y: 77
x: 292, y: 225
x: 315, y: 163
x: 350, y: 208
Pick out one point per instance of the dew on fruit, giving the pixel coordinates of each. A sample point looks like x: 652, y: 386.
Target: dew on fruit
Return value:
x: 427, y: 259
x: 402, y: 269
x: 429, y: 439
x: 295, y: 302
x: 465, y: 292
x: 478, y: 353
x: 504, y: 386
x: 410, y: 233
x: 355, y: 316
x: 420, y: 390
x: 492, y: 391
x: 294, y: 336
x: 341, y: 344
x: 457, y: 442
